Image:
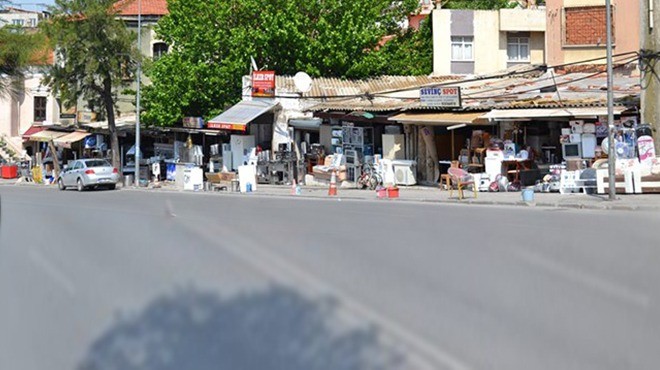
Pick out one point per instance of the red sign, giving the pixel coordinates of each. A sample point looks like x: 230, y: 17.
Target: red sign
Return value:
x: 263, y: 84
x: 226, y: 126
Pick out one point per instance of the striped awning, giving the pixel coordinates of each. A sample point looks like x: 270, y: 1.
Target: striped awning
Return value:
x: 31, y: 131
x: 46, y: 135
x: 70, y: 138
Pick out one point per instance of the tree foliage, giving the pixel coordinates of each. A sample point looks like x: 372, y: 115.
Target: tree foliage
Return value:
x: 212, y: 41
x: 17, y: 52
x: 95, y: 55
x: 409, y: 52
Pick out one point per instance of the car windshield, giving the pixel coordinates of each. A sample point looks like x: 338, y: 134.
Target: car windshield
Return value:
x: 97, y: 163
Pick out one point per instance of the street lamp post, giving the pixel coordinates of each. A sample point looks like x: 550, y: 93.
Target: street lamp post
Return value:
x: 611, y: 161
x: 137, y: 115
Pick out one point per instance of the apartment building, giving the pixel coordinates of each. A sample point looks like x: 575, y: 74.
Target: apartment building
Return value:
x: 576, y: 29
x: 484, y: 41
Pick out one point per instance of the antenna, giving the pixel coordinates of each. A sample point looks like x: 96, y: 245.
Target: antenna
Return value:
x: 254, y: 64
x: 303, y: 82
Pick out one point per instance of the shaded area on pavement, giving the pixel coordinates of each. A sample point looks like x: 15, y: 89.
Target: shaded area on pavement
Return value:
x: 275, y: 329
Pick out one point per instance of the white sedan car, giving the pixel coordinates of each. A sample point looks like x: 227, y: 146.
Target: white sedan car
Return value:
x: 88, y: 173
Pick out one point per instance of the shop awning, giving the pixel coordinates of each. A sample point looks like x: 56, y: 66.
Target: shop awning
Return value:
x: 70, y: 138
x: 522, y: 114
x: 306, y: 123
x: 441, y: 118
x: 238, y: 116
x: 46, y: 135
x: 31, y: 131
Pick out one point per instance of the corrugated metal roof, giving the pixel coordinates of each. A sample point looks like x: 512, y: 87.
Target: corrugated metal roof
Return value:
x: 573, y: 90
x: 332, y: 87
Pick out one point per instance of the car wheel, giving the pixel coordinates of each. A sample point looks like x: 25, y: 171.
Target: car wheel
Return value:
x: 81, y: 187
x: 112, y: 187
x: 60, y: 184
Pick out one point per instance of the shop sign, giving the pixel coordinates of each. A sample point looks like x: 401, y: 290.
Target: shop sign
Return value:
x: 226, y: 126
x: 86, y: 117
x: 68, y: 119
x: 445, y: 96
x: 193, y: 122
x: 263, y: 84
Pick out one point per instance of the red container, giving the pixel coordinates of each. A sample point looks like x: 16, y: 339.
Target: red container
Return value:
x: 9, y: 172
x: 392, y: 192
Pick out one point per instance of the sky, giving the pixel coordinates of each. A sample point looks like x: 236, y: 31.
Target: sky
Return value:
x: 31, y: 4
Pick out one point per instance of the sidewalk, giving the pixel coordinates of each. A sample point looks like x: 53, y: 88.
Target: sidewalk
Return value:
x: 428, y: 194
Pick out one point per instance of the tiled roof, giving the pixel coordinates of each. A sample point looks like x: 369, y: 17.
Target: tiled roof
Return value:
x: 149, y: 7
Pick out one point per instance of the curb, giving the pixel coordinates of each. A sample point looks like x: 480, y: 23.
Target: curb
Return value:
x: 472, y: 201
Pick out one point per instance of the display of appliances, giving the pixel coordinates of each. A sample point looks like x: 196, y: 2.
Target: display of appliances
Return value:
x: 589, y: 144
x: 589, y: 128
x: 404, y: 172
x: 493, y: 166
x: 509, y: 150
x: 227, y: 164
x: 393, y: 146
x: 352, y: 164
x: 572, y: 150
x: 241, y: 147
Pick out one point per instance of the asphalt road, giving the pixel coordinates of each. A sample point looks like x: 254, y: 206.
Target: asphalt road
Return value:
x: 132, y: 280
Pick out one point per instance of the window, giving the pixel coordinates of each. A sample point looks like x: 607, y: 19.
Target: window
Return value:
x: 461, y: 48
x: 97, y: 163
x: 585, y: 25
x: 18, y: 22
x: 517, y: 49
x: 32, y: 22
x: 40, y: 108
x: 158, y: 50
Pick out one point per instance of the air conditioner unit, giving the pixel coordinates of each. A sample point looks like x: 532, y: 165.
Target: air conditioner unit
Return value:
x: 404, y: 175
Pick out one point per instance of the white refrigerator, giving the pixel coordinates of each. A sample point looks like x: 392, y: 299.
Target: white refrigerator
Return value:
x: 589, y: 143
x: 241, y: 146
x: 394, y: 146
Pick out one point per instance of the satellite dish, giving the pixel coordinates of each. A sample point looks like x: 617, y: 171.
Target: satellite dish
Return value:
x: 303, y: 82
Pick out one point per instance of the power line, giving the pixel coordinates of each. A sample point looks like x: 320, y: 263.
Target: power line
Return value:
x: 542, y: 68
x: 558, y: 84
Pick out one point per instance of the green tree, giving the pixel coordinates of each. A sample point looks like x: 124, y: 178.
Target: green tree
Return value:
x: 409, y: 52
x: 17, y: 52
x: 95, y: 56
x: 212, y: 41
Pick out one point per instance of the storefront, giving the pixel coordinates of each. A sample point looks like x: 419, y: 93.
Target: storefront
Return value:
x: 437, y: 138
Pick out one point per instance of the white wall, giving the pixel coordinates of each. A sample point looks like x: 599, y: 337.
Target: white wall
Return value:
x: 17, y: 115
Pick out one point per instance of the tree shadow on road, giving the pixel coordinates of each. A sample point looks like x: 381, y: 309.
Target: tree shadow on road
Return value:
x: 273, y: 329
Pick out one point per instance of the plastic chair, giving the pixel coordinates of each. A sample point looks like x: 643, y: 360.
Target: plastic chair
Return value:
x: 461, y: 179
x: 445, y: 178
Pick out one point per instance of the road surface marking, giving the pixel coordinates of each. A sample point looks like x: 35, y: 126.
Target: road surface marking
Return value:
x: 602, y: 285
x: 51, y: 270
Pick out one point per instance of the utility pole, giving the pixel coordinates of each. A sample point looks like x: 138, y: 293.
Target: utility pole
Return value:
x: 137, y: 95
x: 650, y: 44
x: 611, y: 161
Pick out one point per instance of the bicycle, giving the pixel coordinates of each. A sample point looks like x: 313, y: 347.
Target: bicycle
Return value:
x: 370, y: 177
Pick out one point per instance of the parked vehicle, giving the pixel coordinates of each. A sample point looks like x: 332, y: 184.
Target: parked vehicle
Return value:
x: 88, y: 173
